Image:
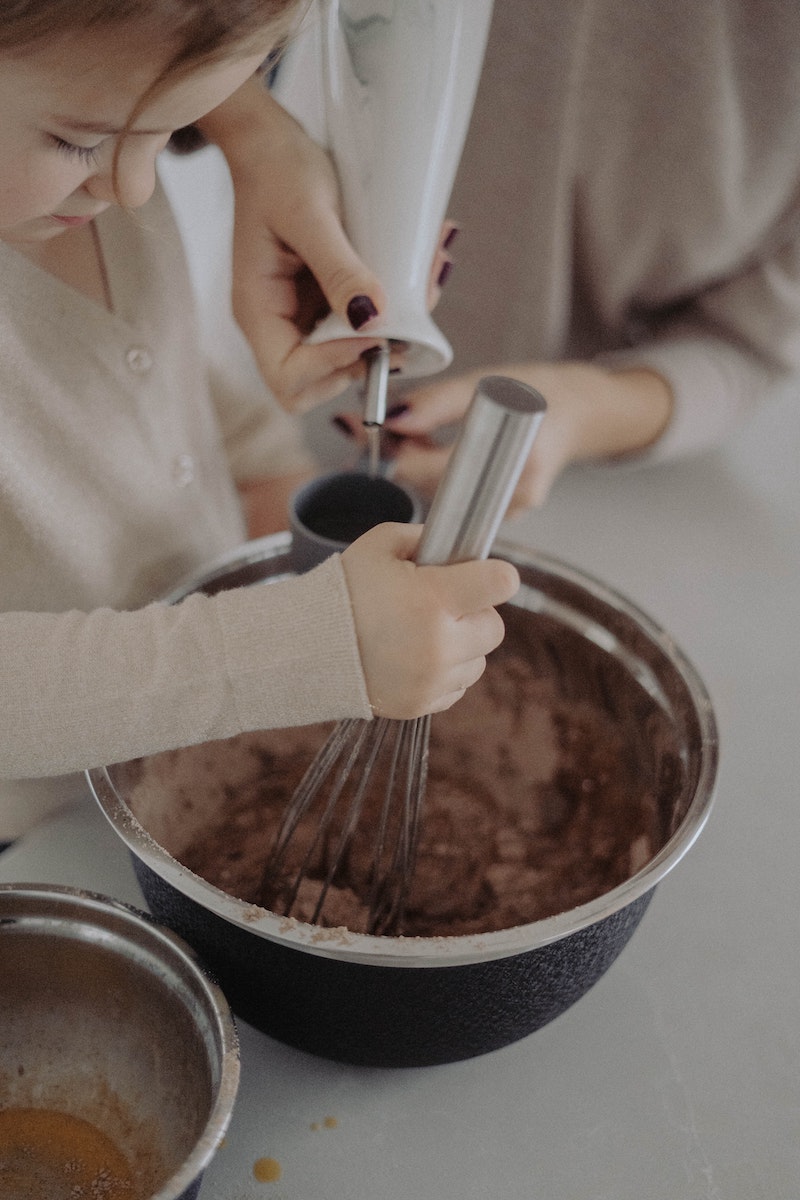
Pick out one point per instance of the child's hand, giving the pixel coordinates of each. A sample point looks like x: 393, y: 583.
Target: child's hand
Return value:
x: 265, y: 502
x: 423, y: 632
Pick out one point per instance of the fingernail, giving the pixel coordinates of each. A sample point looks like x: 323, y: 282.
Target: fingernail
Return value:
x: 444, y: 274
x: 397, y: 410
x: 342, y: 425
x: 360, y: 310
x: 451, y: 237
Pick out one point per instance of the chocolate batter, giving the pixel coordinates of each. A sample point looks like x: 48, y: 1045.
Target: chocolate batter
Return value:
x: 552, y: 781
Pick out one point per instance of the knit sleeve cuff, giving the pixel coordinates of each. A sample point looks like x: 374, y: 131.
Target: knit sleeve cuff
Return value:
x: 714, y: 387
x: 291, y: 650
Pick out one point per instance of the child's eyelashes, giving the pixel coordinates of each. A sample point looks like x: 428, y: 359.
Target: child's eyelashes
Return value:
x: 85, y: 154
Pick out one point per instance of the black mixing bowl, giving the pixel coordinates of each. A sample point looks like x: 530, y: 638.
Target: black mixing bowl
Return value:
x: 407, y: 1001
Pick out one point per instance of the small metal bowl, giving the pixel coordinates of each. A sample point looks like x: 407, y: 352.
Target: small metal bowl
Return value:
x: 416, y: 1001
x: 108, y: 1018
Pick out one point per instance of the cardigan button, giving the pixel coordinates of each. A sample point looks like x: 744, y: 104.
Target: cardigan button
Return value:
x: 139, y: 359
x: 182, y: 470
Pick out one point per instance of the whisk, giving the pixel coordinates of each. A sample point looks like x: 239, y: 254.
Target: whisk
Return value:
x: 365, y: 788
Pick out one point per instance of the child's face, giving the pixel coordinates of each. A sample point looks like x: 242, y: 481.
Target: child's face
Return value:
x: 61, y: 110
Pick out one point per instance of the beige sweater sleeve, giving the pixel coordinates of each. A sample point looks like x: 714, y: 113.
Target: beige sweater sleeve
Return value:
x: 87, y: 689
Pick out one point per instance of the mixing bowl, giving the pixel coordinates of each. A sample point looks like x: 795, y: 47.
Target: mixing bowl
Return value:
x: 414, y: 1001
x: 112, y: 1041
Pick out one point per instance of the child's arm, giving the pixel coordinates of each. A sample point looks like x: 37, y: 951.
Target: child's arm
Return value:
x: 374, y: 633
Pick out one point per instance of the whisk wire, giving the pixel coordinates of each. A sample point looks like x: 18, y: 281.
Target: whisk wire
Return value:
x: 390, y: 884
x: 349, y: 732
x: 374, y: 739
x: 308, y: 788
x: 342, y: 777
x: 469, y: 504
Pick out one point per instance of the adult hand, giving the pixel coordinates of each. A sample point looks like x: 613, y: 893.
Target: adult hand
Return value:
x: 292, y: 261
x: 593, y: 413
x: 287, y: 216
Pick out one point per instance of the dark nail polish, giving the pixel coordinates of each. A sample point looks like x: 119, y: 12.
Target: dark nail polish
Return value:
x: 444, y: 274
x: 397, y: 410
x: 451, y: 237
x: 342, y: 425
x: 360, y: 310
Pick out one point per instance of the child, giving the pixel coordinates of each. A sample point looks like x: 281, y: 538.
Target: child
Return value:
x: 114, y: 480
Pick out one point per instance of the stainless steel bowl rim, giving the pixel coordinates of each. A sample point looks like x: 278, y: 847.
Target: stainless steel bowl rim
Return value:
x: 63, y: 903
x: 343, y: 944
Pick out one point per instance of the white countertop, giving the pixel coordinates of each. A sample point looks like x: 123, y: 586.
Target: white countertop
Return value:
x: 677, y: 1077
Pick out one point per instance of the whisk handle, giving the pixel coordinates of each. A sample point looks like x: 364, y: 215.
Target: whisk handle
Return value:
x: 495, y: 439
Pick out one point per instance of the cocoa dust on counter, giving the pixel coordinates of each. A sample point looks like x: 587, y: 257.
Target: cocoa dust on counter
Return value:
x: 551, y: 782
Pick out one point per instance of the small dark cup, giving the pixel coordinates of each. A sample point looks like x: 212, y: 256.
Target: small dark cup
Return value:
x: 329, y: 513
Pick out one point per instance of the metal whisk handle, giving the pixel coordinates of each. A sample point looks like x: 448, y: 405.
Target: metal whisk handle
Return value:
x: 470, y: 502
x: 472, y: 497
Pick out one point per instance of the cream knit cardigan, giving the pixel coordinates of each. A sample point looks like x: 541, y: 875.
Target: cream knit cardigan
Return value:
x: 115, y: 482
